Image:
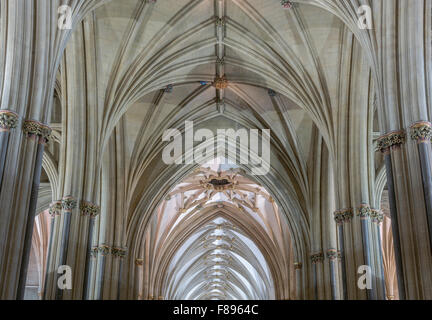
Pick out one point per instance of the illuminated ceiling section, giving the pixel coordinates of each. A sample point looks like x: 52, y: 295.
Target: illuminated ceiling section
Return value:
x: 214, y: 235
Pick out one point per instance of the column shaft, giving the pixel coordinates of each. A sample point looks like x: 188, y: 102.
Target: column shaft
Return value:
x: 30, y: 219
x: 395, y: 225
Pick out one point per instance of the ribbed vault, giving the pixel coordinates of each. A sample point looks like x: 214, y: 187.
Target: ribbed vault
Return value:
x: 218, y: 235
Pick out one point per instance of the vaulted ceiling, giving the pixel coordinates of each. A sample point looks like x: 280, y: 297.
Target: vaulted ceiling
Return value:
x: 214, y: 237
x: 142, y: 67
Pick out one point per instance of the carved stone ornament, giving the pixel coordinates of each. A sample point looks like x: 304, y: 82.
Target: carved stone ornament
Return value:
x: 421, y: 131
x: 89, y: 209
x: 119, y: 252
x: 94, y: 251
x: 332, y: 254
x: 392, y: 139
x: 286, y: 4
x: 377, y: 216
x: 104, y: 250
x: 55, y: 208
x: 220, y: 83
x: 317, y: 257
x: 220, y: 22
x: 69, y: 203
x: 364, y: 211
x: 8, y: 120
x: 34, y: 128
x: 344, y: 215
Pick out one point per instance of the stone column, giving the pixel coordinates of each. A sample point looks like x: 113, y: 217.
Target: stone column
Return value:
x: 104, y: 251
x: 364, y: 213
x: 385, y: 143
x: 342, y: 217
x: 119, y: 254
x: 421, y: 132
x: 404, y: 94
x: 55, y: 211
x: 332, y: 256
x: 377, y: 217
x: 40, y: 133
x: 298, y: 274
x: 8, y: 121
x: 90, y: 210
x: 317, y: 271
x: 68, y: 205
x: 139, y: 271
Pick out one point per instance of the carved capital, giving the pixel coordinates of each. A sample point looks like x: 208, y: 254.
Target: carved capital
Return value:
x: 286, y: 4
x: 139, y: 262
x: 33, y: 128
x: 421, y: 131
x: 377, y: 216
x: 364, y: 211
x: 89, y: 209
x: 8, y: 120
x: 119, y: 252
x: 69, y: 203
x: 104, y: 250
x: 392, y: 139
x: 344, y: 215
x: 332, y: 254
x: 55, y: 208
x: 317, y: 258
x: 94, y: 252
x: 298, y: 266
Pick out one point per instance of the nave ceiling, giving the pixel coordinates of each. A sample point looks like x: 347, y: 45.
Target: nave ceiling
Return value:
x: 133, y: 69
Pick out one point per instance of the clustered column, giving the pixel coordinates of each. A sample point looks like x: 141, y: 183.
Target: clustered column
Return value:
x: 386, y: 143
x: 317, y: 270
x: 8, y: 121
x: 40, y: 134
x: 90, y: 210
x: 100, y: 254
x: 299, y: 281
x: 341, y: 217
